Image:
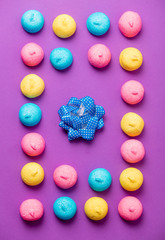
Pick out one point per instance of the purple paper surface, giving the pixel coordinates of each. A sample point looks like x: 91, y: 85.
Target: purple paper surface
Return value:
x: 81, y: 80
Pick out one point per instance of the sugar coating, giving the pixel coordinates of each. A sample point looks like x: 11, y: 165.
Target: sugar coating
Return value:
x: 130, y: 208
x: 99, y: 55
x: 132, y: 124
x: 64, y: 26
x: 32, y: 54
x: 98, y: 23
x: 32, y: 86
x: 130, y: 24
x: 131, y: 59
x: 131, y: 179
x: 132, y: 151
x: 96, y: 208
x: 33, y: 144
x: 30, y: 114
x: 132, y: 92
x: 99, y: 179
x: 32, y: 21
x: 64, y: 208
x: 32, y: 174
x: 65, y: 176
x: 31, y: 210
x: 61, y: 58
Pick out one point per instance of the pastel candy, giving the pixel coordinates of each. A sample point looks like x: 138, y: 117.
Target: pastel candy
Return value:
x: 32, y: 86
x: 61, y: 58
x: 130, y: 24
x: 96, y: 208
x: 99, y: 179
x: 65, y: 176
x: 32, y: 174
x: 131, y: 179
x: 33, y: 144
x: 130, y: 208
x: 132, y: 92
x: 32, y: 54
x: 30, y: 114
x: 132, y: 124
x: 64, y: 26
x: 31, y: 210
x: 132, y: 151
x: 98, y: 23
x: 64, y: 208
x: 130, y: 59
x: 99, y: 55
x: 32, y: 21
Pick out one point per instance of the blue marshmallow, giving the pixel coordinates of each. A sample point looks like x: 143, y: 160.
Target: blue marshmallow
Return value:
x: 32, y: 21
x: 99, y: 179
x: 30, y: 114
x: 61, y: 58
x: 64, y: 208
x: 98, y: 23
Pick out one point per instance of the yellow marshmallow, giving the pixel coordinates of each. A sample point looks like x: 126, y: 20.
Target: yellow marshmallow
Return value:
x: 32, y: 174
x: 130, y: 59
x: 32, y: 86
x: 131, y: 179
x: 96, y: 208
x: 132, y: 124
x: 64, y: 26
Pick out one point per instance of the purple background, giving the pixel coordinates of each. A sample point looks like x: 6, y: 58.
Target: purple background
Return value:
x: 78, y: 81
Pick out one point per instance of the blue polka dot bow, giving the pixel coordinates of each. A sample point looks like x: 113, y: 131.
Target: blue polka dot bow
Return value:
x: 81, y: 118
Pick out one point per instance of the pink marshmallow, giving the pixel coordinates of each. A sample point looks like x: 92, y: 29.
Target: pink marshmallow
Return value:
x: 32, y: 54
x: 33, y: 144
x: 31, y: 210
x: 132, y: 151
x: 130, y: 24
x: 99, y: 55
x: 130, y: 208
x: 65, y: 176
x: 132, y: 92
